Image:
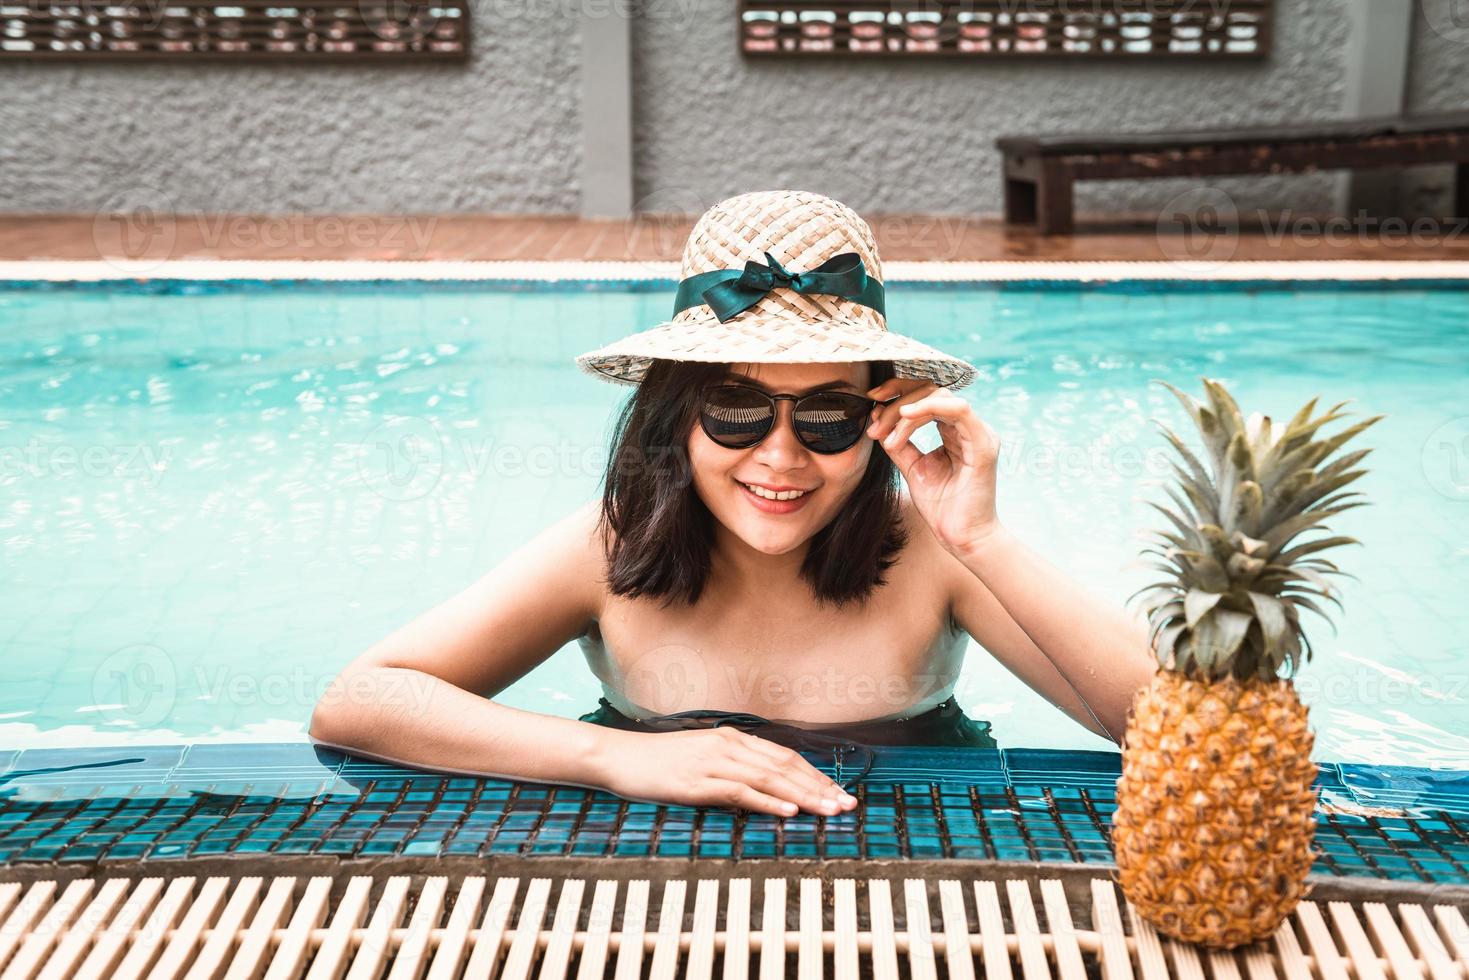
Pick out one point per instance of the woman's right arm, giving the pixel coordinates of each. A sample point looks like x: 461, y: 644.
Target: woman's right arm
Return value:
x: 422, y: 696
x: 416, y: 695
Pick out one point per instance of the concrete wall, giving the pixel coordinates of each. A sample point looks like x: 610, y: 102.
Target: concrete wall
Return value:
x: 502, y: 133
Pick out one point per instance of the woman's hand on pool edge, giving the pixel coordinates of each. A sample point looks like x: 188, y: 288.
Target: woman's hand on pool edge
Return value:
x: 718, y: 767
x: 952, y: 486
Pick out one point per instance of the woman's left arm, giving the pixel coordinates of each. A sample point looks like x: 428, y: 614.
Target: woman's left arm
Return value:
x: 1100, y: 651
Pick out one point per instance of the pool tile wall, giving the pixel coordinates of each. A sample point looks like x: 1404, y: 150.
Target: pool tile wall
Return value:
x: 162, y: 803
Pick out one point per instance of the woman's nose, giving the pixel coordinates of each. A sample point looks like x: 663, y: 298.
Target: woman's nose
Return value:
x: 782, y: 447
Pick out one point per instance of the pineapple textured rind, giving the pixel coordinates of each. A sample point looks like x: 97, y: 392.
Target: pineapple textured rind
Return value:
x: 1215, y: 807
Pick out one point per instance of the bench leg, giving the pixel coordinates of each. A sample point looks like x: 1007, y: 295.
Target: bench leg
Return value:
x: 1020, y: 198
x: 1055, y: 205
x: 1461, y: 189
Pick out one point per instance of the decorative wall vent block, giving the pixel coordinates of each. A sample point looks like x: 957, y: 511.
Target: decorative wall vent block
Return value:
x: 1008, y: 28
x: 334, y: 30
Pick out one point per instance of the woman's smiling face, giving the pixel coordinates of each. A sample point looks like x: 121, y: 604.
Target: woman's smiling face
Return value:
x: 723, y: 477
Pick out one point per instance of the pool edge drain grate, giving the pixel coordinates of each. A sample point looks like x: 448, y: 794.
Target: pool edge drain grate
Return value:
x: 919, y: 804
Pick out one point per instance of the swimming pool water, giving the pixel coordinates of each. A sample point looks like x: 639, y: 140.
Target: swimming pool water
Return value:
x: 213, y: 497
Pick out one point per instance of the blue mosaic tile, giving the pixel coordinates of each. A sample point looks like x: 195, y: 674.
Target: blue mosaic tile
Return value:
x: 1022, y: 804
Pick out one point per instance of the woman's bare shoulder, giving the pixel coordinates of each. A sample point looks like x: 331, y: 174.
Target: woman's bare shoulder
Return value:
x: 568, y: 557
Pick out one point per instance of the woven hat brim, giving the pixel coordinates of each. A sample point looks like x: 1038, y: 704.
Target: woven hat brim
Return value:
x: 799, y: 340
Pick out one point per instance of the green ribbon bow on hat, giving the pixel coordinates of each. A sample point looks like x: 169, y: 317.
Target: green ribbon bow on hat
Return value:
x: 730, y: 292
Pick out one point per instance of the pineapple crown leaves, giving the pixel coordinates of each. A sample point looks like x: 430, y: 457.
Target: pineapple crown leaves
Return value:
x: 1235, y: 577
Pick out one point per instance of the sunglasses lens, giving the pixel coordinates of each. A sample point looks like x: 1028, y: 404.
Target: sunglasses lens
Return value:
x: 735, y: 417
x: 831, y: 422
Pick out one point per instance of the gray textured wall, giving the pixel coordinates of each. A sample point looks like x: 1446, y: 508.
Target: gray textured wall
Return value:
x: 502, y: 132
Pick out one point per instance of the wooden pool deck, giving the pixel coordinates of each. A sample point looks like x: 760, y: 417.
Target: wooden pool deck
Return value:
x: 913, y: 238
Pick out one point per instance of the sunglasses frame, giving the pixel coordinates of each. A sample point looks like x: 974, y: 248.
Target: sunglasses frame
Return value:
x: 795, y: 401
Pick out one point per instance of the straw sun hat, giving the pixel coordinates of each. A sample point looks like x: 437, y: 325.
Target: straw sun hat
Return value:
x: 778, y: 277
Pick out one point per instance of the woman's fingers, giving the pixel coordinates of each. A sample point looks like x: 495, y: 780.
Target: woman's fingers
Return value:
x: 733, y: 793
x: 768, y: 779
x: 795, y: 769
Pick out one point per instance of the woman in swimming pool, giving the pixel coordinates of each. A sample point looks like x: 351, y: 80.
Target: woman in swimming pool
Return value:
x: 752, y: 564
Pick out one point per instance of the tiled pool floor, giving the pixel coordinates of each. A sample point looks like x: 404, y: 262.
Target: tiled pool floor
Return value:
x: 177, y: 802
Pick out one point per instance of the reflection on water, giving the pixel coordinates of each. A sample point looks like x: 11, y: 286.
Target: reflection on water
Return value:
x: 210, y: 502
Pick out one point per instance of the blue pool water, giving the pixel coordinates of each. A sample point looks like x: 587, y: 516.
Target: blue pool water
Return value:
x: 211, y: 498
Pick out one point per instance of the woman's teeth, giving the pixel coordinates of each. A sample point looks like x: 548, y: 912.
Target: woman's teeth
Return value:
x: 774, y: 494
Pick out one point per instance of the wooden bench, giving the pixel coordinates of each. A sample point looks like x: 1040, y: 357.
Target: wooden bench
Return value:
x: 1040, y: 171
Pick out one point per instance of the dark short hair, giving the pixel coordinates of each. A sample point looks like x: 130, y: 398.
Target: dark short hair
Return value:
x: 657, y: 534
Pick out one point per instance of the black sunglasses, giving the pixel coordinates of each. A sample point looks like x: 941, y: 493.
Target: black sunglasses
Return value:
x: 827, y: 422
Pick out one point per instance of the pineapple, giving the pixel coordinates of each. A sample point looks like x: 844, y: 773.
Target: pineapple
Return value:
x: 1214, y: 821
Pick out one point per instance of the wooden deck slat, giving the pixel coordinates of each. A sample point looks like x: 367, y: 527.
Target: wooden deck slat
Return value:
x: 1330, y: 964
x: 670, y: 931
x: 593, y: 962
x: 1069, y: 963
x: 227, y: 928
x: 377, y: 940
x: 333, y: 956
x: 557, y: 958
x: 520, y: 959
x: 40, y: 939
x: 634, y: 920
x: 454, y: 943
x: 291, y: 952
x: 846, y: 960
x: 428, y: 911
x: 706, y: 922
x: 922, y: 963
x: 1258, y: 963
x: 1426, y: 941
x: 809, y: 946
x: 1107, y: 920
x: 957, y: 957
x: 1187, y: 965
x: 737, y: 930
x: 1379, y: 920
x: 884, y: 939
x: 992, y: 946
x: 1033, y: 963
x: 1288, y: 948
x: 491, y: 935
x: 112, y: 944
x: 1455, y: 932
x: 78, y: 938
x: 149, y: 941
x: 1359, y: 947
x: 188, y: 937
x: 220, y: 946
x: 1222, y: 965
x: 18, y: 914
x: 773, y: 931
x: 1150, y: 958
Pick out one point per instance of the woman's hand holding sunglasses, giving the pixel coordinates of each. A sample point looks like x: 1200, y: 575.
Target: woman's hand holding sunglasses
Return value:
x: 952, y: 486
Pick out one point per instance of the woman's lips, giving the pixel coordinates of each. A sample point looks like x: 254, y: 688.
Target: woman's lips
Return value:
x: 773, y: 506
